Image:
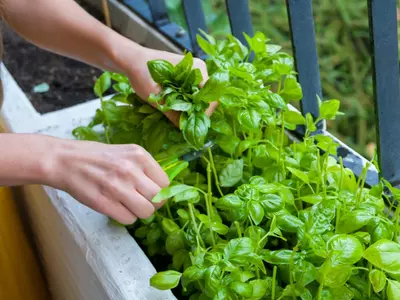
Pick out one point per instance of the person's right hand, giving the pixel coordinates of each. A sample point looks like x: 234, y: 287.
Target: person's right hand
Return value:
x: 117, y: 180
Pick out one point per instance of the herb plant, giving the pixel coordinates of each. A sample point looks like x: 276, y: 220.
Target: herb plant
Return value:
x: 259, y: 217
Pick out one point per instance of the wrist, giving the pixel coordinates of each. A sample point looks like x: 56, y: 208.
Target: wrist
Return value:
x: 123, y: 55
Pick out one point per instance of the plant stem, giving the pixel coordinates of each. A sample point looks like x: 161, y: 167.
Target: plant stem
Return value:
x: 215, y: 172
x: 168, y: 209
x: 191, y: 212
x: 209, y: 202
x: 321, y: 287
x: 273, y: 282
x: 107, y: 121
x: 239, y: 231
x: 369, y: 281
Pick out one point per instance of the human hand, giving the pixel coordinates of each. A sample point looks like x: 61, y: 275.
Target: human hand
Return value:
x: 117, y: 180
x: 144, y: 85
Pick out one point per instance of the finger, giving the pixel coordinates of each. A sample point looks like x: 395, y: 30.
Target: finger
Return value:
x: 139, y: 205
x: 211, y: 108
x: 106, y: 206
x: 147, y: 188
x: 154, y: 171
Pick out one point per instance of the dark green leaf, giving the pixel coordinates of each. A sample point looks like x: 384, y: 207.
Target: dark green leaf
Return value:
x: 249, y: 119
x: 232, y: 173
x: 242, y: 289
x: 193, y: 273
x: 271, y: 202
x: 195, y: 129
x: 169, y: 226
x: 256, y: 212
x: 160, y: 70
x: 229, y: 201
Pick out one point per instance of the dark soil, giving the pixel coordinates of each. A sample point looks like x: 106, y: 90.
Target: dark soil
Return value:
x: 70, y: 82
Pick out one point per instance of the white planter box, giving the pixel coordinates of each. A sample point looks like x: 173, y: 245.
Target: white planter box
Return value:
x: 85, y: 258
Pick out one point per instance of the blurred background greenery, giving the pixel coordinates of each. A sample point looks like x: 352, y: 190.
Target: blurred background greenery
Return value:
x: 343, y: 45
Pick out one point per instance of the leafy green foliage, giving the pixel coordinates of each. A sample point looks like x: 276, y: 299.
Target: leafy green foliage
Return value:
x: 257, y: 217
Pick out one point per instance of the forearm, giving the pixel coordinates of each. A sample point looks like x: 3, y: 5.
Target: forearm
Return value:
x: 25, y: 158
x: 63, y: 27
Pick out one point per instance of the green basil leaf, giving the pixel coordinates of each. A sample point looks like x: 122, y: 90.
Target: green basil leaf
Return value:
x: 279, y: 257
x: 183, y: 68
x: 385, y: 255
x: 206, y: 46
x: 287, y: 222
x: 353, y: 221
x: 242, y: 289
x: 237, y: 248
x: 227, y: 143
x: 299, y: 174
x: 191, y: 195
x: 229, y: 201
x: 393, y: 290
x: 329, y: 109
x: 212, y: 280
x: 377, y: 279
x: 170, y: 191
x: 250, y: 119
x: 256, y: 212
x: 214, y: 88
x: 222, y: 126
x: 165, y: 280
x: 292, y: 90
x: 261, y: 288
x: 169, y: 226
x: 294, y: 117
x: 103, y: 83
x: 175, y: 242
x: 86, y: 133
x: 180, y: 105
x: 344, y: 249
x: 304, y: 272
x: 195, y: 129
x: 193, y: 273
x: 232, y: 173
x: 334, y: 276
x: 160, y: 70
x: 275, y: 100
x: 271, y: 202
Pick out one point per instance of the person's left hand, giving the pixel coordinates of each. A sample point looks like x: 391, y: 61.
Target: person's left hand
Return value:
x: 144, y: 85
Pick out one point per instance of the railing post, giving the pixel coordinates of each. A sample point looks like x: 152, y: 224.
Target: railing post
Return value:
x: 239, y: 18
x: 159, y: 12
x: 385, y: 62
x: 301, y: 24
x: 195, y: 20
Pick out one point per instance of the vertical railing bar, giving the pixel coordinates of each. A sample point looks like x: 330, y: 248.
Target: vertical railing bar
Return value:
x: 385, y: 62
x: 239, y: 18
x: 195, y: 20
x: 304, y: 45
x: 159, y: 12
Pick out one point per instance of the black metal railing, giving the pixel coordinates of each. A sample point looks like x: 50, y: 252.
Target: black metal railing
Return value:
x: 384, y: 53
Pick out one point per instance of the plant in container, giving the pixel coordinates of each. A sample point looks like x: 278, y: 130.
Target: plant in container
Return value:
x: 258, y: 216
